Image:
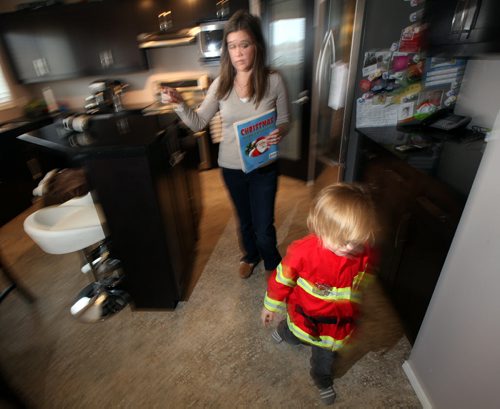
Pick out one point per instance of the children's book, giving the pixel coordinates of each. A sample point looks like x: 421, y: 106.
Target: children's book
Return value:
x: 250, y: 136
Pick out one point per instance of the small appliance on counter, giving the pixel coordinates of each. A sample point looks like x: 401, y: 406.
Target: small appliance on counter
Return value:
x: 105, y: 96
x: 210, y: 40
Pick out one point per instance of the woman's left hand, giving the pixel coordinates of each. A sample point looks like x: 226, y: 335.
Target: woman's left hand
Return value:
x: 274, y: 137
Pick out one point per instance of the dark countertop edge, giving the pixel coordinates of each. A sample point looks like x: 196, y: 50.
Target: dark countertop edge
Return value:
x: 82, y: 150
x: 413, y: 159
x: 26, y: 137
x: 28, y: 125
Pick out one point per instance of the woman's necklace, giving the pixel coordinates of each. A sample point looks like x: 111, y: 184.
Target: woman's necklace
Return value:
x: 242, y: 91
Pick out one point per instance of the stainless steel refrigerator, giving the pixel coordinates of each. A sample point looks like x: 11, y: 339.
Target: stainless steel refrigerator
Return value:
x: 319, y: 47
x: 314, y: 45
x: 338, y: 32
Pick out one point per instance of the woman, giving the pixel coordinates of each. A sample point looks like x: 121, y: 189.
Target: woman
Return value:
x: 245, y: 88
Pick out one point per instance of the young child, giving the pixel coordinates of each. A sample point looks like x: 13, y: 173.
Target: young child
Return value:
x: 318, y: 282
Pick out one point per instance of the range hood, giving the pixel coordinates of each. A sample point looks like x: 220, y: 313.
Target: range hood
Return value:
x: 168, y: 38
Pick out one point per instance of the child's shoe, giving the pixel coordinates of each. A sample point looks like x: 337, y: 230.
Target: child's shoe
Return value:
x: 327, y: 395
x: 276, y: 337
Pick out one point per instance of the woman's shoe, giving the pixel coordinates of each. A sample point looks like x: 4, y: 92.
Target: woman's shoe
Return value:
x: 246, y: 269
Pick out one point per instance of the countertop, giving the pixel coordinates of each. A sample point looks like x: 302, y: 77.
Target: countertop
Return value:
x: 450, y: 158
x: 124, y: 131
x: 18, y: 126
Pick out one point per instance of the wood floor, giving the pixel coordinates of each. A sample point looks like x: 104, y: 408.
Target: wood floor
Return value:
x: 210, y: 352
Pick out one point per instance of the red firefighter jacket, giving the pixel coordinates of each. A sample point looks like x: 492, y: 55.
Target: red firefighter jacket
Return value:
x: 319, y: 291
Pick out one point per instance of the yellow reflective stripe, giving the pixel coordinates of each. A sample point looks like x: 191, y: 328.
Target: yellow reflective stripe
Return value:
x: 357, y: 280
x: 360, y: 282
x: 280, y: 278
x: 323, y: 341
x: 274, y: 305
x: 334, y: 294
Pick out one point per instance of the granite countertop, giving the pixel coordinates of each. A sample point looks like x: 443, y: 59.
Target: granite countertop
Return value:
x: 18, y: 126
x: 449, y: 158
x: 418, y: 140
x: 124, y: 131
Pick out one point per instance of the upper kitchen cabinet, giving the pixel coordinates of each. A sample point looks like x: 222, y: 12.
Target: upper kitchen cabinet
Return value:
x: 73, y: 40
x: 105, y: 35
x: 184, y: 14
x: 39, y: 46
x: 462, y: 28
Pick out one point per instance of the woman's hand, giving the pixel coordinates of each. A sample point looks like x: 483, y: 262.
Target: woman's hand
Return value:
x: 266, y: 317
x: 274, y: 137
x: 171, y: 96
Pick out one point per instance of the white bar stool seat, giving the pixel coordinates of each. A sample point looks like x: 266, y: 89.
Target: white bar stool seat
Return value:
x: 71, y: 226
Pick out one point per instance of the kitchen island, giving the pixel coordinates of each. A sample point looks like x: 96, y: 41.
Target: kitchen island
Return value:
x: 141, y: 171
x: 19, y: 168
x: 420, y: 180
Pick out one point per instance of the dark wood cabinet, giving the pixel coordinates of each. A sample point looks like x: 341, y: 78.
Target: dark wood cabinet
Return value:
x: 105, y: 35
x: 73, y: 40
x: 462, y: 27
x: 39, y: 45
x: 419, y: 216
x: 184, y: 14
x: 92, y: 38
x: 142, y: 171
x: 16, y: 182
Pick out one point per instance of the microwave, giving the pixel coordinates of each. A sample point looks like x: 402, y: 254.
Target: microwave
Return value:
x: 210, y: 39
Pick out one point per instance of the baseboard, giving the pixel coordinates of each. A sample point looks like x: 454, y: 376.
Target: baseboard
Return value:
x: 419, y: 391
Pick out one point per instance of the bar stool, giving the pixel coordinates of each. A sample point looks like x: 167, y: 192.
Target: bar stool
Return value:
x: 76, y: 225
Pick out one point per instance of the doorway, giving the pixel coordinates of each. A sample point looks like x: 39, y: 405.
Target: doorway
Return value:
x: 288, y: 28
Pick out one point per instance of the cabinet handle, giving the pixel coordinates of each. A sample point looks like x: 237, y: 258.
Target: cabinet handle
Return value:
x: 458, y: 21
x: 41, y: 67
x: 472, y: 12
x: 37, y: 67
x: 433, y: 209
x: 402, y: 230
x: 44, y: 66
x: 106, y: 58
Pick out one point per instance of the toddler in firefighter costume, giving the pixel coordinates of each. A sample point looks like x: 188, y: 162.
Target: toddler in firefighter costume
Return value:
x: 318, y: 283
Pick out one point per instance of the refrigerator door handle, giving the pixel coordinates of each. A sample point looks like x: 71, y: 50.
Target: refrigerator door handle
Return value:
x: 329, y: 41
x: 303, y: 98
x: 319, y: 65
x: 332, y: 41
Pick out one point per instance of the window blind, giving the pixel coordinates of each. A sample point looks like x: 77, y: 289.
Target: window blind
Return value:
x: 4, y: 89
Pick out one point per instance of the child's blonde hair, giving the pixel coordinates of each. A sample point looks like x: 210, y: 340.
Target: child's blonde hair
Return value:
x: 343, y: 213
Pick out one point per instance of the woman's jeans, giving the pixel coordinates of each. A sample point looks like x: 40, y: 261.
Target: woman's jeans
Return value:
x: 253, y: 195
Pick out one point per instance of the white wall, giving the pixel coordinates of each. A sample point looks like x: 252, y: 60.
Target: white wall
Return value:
x: 480, y: 92
x: 456, y: 358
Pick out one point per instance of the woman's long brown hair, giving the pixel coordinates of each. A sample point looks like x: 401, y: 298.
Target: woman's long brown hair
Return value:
x: 242, y: 20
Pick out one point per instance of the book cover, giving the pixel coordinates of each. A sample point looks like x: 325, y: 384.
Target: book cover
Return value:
x: 250, y: 136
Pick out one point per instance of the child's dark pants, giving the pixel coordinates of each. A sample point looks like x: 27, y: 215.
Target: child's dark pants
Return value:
x: 321, y: 358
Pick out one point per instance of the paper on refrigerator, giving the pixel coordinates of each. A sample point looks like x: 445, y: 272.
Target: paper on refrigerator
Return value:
x: 373, y: 115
